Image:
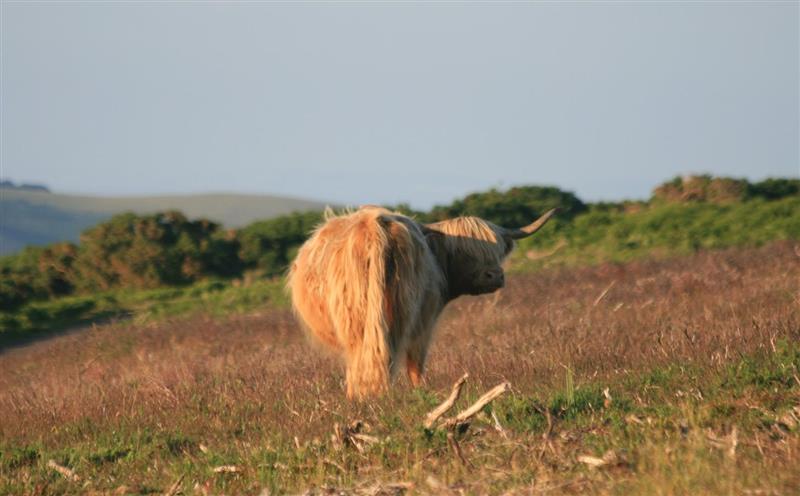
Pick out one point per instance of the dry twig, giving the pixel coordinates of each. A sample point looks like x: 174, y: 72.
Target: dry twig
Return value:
x: 227, y: 469
x: 609, y: 458
x: 476, y: 407
x: 447, y: 404
x: 68, y: 473
x: 498, y: 427
x: 604, y: 293
x: 175, y: 487
x: 351, y: 436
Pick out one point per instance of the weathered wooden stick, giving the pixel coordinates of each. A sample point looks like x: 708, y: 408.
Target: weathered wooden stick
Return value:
x: 447, y: 404
x: 609, y: 458
x: 175, y: 488
x: 227, y: 469
x: 604, y: 293
x: 478, y: 405
x: 497, y: 426
x: 366, y: 438
x: 68, y: 474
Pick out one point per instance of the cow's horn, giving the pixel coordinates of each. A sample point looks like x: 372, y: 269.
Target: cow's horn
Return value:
x: 524, y: 232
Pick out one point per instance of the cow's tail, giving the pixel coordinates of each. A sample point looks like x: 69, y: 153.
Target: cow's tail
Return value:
x: 370, y: 361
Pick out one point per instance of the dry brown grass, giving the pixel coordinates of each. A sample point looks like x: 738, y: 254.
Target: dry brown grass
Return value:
x: 178, y: 398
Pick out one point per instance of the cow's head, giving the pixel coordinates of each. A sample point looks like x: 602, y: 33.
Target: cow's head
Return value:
x: 471, y: 250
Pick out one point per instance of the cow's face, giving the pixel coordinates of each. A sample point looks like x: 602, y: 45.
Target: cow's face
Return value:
x: 469, y: 276
x: 470, y: 251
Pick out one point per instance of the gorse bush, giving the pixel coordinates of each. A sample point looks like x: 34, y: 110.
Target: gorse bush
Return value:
x: 706, y: 188
x: 167, y: 249
x: 37, y: 273
x: 129, y: 251
x: 513, y: 208
x: 774, y: 189
x: 270, y: 245
x: 151, y: 251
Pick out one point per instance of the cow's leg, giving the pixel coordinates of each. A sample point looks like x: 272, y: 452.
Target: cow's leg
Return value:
x: 415, y: 359
x: 414, y: 370
x: 420, y: 338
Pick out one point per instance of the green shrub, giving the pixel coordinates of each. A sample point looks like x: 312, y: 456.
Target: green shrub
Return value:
x: 151, y: 251
x: 775, y: 188
x: 665, y: 228
x: 516, y: 207
x: 270, y: 245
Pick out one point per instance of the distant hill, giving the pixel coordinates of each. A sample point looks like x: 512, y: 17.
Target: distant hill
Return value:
x: 6, y: 184
x: 29, y: 215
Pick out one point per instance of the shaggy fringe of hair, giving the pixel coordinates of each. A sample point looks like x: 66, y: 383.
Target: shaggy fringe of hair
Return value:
x: 474, y: 237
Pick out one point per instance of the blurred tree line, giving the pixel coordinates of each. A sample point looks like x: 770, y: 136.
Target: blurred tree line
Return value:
x: 720, y: 190
x: 167, y: 249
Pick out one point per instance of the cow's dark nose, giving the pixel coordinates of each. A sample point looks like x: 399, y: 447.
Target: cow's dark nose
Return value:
x: 494, y: 276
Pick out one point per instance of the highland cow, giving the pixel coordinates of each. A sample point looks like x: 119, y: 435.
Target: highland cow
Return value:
x: 370, y: 285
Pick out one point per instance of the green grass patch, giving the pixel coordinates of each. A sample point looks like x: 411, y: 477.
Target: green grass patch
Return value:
x: 216, y: 298
x: 582, y: 421
x: 661, y: 230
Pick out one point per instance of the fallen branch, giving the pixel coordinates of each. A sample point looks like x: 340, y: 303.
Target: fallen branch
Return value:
x: 447, y: 404
x: 364, y: 438
x: 351, y: 436
x: 68, y: 473
x: 227, y: 469
x: 609, y: 458
x: 497, y: 426
x: 175, y: 487
x: 476, y: 407
x: 604, y: 293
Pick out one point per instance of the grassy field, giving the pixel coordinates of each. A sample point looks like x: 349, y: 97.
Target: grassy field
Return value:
x: 38, y: 319
x: 650, y: 377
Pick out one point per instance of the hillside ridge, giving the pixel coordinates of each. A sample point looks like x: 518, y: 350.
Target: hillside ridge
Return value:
x: 40, y: 217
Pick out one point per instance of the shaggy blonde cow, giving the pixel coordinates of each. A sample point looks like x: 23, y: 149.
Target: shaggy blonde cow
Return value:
x: 370, y: 285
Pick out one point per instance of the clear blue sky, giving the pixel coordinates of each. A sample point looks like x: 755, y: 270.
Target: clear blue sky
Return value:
x: 380, y: 103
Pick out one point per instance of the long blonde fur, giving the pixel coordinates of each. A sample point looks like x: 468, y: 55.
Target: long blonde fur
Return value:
x: 355, y: 286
